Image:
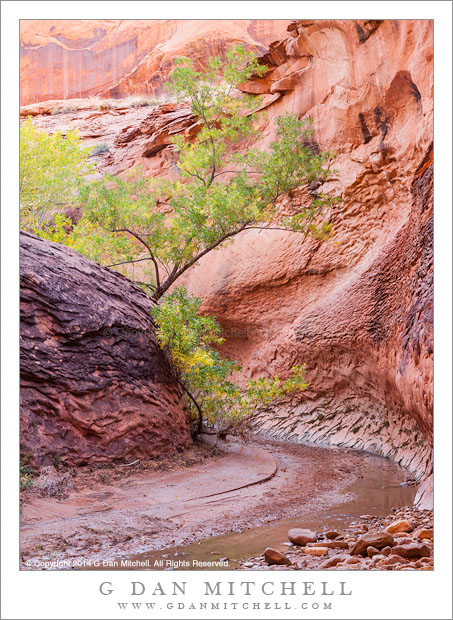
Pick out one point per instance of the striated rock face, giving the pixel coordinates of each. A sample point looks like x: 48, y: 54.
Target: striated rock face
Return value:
x: 62, y: 59
x: 141, y: 144
x: 357, y: 310
x: 95, y: 387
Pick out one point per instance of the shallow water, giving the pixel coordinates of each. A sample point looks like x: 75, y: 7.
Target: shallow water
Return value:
x: 377, y: 491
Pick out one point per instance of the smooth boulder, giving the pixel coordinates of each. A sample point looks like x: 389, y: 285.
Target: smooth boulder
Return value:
x: 400, y: 526
x: 424, y: 533
x: 316, y: 551
x: 272, y: 556
x: 412, y: 550
x: 378, y: 540
x: 299, y: 536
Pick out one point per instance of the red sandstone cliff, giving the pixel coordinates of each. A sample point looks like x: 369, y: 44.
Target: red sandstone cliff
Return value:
x: 357, y: 310
x: 63, y: 59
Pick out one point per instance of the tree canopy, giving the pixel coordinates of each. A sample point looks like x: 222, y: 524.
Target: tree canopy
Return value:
x: 53, y: 169
x: 225, y: 187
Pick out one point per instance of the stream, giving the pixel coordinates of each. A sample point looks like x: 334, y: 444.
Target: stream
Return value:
x: 376, y: 491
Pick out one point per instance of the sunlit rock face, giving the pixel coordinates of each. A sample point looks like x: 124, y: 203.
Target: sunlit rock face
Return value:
x: 95, y: 386
x: 64, y: 59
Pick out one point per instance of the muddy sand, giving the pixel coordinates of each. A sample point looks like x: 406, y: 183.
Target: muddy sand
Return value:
x: 126, y: 512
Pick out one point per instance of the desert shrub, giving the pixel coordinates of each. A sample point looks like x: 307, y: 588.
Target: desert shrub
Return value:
x: 65, y: 109
x: 140, y: 101
x: 26, y: 473
x: 103, y: 104
x: 103, y: 147
x: 52, y: 483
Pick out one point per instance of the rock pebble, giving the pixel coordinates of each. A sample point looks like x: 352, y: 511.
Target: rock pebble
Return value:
x: 333, y: 561
x: 379, y: 549
x: 392, y: 560
x: 272, y: 556
x: 423, y: 533
x: 399, y: 526
x: 318, y: 551
x: 412, y: 550
x: 379, y: 540
x: 301, y: 537
x: 372, y: 551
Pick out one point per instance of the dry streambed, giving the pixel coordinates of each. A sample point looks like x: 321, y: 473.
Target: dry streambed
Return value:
x: 148, y: 510
x: 236, y: 506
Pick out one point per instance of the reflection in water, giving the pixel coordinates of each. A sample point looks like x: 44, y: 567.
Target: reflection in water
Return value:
x: 377, y: 491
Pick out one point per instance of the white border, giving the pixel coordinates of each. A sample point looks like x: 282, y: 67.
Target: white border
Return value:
x: 375, y: 595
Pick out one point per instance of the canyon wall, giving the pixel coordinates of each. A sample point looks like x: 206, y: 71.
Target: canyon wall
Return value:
x: 95, y: 387
x: 357, y: 309
x: 63, y: 59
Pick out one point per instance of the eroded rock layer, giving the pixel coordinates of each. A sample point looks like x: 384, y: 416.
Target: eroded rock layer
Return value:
x: 63, y: 59
x: 357, y: 310
x: 95, y: 386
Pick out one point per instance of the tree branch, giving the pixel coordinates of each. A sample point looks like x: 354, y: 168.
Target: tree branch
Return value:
x: 125, y: 262
x: 144, y: 284
x: 193, y: 174
x: 156, y: 266
x: 178, y: 272
x: 213, y: 171
x: 197, y: 406
x: 236, y: 172
x: 261, y: 228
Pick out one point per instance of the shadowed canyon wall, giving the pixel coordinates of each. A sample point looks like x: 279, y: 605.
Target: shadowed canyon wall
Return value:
x: 357, y: 309
x: 64, y: 59
x: 95, y: 386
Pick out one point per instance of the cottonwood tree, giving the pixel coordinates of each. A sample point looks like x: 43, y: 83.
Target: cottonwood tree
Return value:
x: 225, y: 187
